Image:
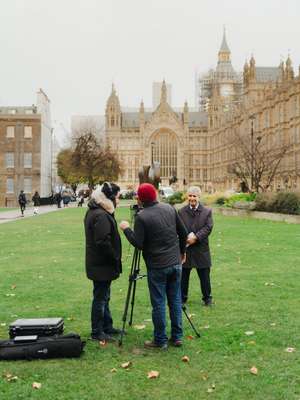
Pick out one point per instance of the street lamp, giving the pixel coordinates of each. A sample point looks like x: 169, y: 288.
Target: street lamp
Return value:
x: 252, y: 118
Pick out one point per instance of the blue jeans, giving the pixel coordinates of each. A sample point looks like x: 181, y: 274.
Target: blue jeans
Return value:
x: 164, y: 283
x: 100, y: 314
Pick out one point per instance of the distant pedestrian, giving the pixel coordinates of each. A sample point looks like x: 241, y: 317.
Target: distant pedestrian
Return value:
x: 81, y: 200
x: 22, y: 202
x: 58, y: 199
x: 36, y: 202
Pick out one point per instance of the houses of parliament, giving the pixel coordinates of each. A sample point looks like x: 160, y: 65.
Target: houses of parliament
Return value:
x: 197, y: 146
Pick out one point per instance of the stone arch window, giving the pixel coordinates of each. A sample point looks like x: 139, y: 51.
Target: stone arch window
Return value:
x: 164, y: 150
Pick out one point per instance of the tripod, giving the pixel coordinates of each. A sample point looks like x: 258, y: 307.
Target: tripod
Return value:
x: 134, y: 276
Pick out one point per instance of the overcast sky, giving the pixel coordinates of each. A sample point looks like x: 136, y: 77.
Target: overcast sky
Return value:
x: 75, y: 49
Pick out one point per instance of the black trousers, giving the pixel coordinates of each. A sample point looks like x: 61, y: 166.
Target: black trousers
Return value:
x: 204, y: 277
x: 100, y: 314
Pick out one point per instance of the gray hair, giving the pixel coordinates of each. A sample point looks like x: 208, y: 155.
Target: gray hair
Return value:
x: 195, y: 190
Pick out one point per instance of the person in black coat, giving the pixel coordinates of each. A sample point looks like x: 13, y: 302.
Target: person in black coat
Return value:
x: 102, y: 257
x: 161, y: 235
x: 199, y: 223
x: 36, y: 202
x: 22, y: 202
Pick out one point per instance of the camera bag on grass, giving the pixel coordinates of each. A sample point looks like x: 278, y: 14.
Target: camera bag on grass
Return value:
x: 30, y: 347
x: 36, y: 326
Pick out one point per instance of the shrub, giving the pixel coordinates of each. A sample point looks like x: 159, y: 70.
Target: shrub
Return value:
x: 264, y: 201
x: 221, y: 200
x: 176, y: 198
x: 282, y: 202
x: 287, y: 203
x: 239, y: 197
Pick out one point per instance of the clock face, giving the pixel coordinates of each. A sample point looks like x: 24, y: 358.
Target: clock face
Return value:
x: 226, y: 90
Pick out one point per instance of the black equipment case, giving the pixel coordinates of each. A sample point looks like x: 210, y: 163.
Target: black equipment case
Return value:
x: 32, y: 347
x: 36, y: 326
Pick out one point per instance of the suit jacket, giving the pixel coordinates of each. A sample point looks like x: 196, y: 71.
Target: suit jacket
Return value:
x: 199, y: 222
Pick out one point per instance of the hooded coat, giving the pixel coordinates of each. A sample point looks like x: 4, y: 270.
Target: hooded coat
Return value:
x: 103, y: 243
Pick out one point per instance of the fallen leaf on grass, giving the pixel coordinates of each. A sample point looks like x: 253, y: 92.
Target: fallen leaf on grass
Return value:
x: 102, y: 343
x: 126, y: 365
x: 254, y: 370
x: 10, y: 377
x: 206, y: 327
x: 190, y: 337
x: 113, y: 370
x: 273, y: 324
x: 185, y: 359
x: 13, y: 287
x: 192, y: 315
x: 153, y: 374
x: 204, y: 377
x: 148, y: 320
x: 3, y: 324
x: 139, y: 327
x: 251, y: 342
x: 249, y: 333
x: 70, y: 319
x: 36, y: 385
x: 211, y: 388
x: 290, y: 349
x: 137, y: 351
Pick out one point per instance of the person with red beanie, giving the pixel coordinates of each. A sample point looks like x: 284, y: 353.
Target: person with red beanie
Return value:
x: 160, y: 234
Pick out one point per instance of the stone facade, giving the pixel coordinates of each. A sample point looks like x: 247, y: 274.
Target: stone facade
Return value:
x: 198, y: 147
x: 177, y: 139
x: 25, y: 152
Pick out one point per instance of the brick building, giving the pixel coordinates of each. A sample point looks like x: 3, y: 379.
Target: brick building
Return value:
x: 25, y: 151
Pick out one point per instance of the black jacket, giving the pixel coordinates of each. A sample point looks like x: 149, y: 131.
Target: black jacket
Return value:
x: 103, y: 244
x: 200, y: 223
x: 159, y: 232
x: 36, y: 200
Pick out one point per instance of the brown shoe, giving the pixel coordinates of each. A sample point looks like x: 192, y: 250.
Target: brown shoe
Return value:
x: 150, y: 344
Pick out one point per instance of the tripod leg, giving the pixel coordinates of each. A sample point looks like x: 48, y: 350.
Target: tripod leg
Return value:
x: 190, y: 321
x: 132, y: 277
x: 124, y: 318
x: 132, y: 302
x: 136, y: 273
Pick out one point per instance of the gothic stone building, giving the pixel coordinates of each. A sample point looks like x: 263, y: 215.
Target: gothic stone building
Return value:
x: 178, y: 140
x: 198, y: 147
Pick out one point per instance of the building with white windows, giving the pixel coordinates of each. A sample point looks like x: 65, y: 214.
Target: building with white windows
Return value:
x: 25, y: 151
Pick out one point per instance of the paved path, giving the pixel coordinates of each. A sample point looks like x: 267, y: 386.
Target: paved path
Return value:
x: 14, y: 215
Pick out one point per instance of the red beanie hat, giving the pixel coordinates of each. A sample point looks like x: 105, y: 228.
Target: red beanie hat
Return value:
x: 146, y: 193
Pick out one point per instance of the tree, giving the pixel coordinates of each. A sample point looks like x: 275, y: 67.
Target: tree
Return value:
x: 93, y: 161
x: 256, y: 163
x: 65, y: 168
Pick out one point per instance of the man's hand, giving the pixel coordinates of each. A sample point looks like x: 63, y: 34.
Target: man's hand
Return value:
x: 191, y: 239
x: 183, y: 258
x: 123, y: 225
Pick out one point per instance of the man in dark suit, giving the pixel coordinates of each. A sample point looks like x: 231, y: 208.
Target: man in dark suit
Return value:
x: 198, y: 222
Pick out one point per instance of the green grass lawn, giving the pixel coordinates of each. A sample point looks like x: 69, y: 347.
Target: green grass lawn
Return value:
x: 256, y: 287
x: 6, y: 209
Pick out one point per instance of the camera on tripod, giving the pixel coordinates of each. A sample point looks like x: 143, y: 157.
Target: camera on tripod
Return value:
x: 146, y: 175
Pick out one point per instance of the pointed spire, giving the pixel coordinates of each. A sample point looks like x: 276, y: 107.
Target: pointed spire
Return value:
x: 163, y: 98
x: 224, y: 46
x: 142, y: 109
x: 186, y: 107
x: 224, y: 52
